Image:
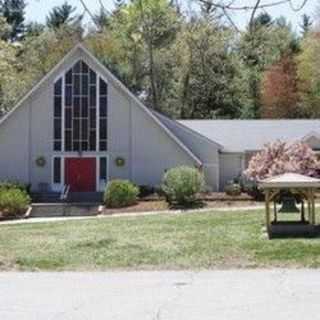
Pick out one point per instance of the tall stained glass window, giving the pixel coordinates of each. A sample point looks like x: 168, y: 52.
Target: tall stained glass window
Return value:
x: 83, y: 110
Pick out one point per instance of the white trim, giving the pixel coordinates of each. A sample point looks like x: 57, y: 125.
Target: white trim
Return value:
x: 98, y: 113
x: 63, y: 113
x: 58, y: 187
x: 101, y: 187
x: 141, y: 105
x: 38, y: 85
x: 188, y: 130
x: 118, y: 84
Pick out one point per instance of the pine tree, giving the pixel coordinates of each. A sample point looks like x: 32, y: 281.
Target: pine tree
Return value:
x: 306, y: 24
x: 13, y: 12
x: 61, y: 15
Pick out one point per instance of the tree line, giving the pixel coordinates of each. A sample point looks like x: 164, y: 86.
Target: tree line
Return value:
x: 194, y: 64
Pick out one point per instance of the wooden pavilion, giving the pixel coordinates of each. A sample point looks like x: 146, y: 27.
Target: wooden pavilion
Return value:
x: 291, y: 191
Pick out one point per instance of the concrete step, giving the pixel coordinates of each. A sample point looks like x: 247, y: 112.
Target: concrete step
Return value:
x: 64, y: 210
x: 45, y: 197
x: 78, y: 197
x: 81, y: 197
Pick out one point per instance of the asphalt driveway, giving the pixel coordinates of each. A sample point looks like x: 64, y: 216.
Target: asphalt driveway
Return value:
x: 234, y: 294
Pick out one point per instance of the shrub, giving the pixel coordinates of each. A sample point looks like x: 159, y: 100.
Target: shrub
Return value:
x: 251, y: 187
x: 13, y: 202
x: 233, y: 189
x: 120, y: 193
x: 6, y: 185
x: 182, y: 184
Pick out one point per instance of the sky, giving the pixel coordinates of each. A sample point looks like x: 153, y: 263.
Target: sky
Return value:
x: 37, y: 10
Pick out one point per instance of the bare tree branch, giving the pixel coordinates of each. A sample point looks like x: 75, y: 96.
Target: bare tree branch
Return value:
x: 253, y: 14
x: 299, y: 7
x: 225, y: 12
x: 86, y: 9
x: 260, y: 6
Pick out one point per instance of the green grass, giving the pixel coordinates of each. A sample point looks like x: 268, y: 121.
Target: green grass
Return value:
x: 197, y: 241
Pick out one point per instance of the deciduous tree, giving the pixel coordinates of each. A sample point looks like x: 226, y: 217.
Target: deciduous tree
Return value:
x: 280, y: 90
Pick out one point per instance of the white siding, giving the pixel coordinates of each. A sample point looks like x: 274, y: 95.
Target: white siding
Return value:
x: 231, y: 166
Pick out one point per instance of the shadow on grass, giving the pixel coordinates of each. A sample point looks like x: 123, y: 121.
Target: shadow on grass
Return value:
x: 199, y: 204
x: 96, y: 244
x: 34, y: 263
x: 295, y: 231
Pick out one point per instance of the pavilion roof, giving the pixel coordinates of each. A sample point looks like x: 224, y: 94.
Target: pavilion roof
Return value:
x: 290, y: 180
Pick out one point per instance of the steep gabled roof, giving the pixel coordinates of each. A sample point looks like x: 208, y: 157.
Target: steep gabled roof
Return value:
x: 118, y: 84
x: 246, y: 135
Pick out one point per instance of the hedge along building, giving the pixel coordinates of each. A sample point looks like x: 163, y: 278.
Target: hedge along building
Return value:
x: 80, y: 126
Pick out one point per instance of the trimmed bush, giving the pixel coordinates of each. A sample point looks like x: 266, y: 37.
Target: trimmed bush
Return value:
x: 13, y: 202
x: 7, y: 185
x: 120, y: 193
x: 233, y: 189
x: 181, y: 185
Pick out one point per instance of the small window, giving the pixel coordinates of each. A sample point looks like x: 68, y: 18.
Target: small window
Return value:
x: 103, y: 129
x: 58, y: 87
x: 68, y: 95
x: 103, y: 106
x: 57, y: 170
x: 57, y: 107
x: 57, y: 129
x: 69, y: 77
x: 93, y: 96
x: 103, y: 88
x: 84, y: 84
x: 103, y: 169
x: 76, y: 84
x: 84, y: 67
x: 93, y: 77
x: 103, y: 145
x: 92, y: 140
x: 57, y: 145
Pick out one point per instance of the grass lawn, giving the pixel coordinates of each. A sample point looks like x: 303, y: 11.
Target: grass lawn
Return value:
x: 211, y: 240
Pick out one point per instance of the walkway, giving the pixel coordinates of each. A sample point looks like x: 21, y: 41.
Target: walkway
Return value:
x: 207, y: 295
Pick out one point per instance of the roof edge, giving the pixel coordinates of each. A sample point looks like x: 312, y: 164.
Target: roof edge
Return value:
x: 39, y: 83
x: 81, y: 46
x: 191, y: 131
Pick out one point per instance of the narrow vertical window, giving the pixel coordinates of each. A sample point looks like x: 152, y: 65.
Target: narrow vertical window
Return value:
x: 103, y: 111
x: 57, y: 115
x: 103, y: 169
x: 57, y: 170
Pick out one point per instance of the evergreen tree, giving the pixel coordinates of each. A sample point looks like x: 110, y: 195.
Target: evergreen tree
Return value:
x: 306, y: 24
x: 62, y: 15
x: 13, y: 12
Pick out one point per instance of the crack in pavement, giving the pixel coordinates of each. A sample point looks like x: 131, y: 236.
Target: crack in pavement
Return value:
x: 180, y: 286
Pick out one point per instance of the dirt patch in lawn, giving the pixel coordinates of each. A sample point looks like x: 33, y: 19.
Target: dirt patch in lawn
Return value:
x: 161, y: 205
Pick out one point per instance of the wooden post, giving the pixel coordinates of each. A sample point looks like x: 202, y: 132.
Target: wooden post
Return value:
x: 275, y: 211
x: 267, y: 199
x: 309, y: 206
x: 313, y: 207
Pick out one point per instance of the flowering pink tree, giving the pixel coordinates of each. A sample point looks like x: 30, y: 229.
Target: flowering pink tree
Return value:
x: 281, y: 157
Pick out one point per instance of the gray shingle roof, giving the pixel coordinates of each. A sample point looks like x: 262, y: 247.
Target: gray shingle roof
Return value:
x: 241, y: 135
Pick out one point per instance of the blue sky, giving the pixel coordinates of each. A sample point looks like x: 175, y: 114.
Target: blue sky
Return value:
x: 38, y: 9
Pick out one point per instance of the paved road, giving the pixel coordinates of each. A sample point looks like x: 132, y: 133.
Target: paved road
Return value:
x: 256, y: 294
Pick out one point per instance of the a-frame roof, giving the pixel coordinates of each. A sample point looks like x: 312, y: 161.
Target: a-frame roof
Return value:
x: 117, y: 83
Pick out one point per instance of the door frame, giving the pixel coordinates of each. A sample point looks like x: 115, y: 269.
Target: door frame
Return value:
x: 100, y: 186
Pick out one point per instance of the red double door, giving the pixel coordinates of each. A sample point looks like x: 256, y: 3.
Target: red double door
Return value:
x: 80, y: 174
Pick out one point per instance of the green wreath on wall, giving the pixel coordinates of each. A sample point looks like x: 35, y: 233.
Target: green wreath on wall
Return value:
x: 41, y: 161
x: 120, y: 162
